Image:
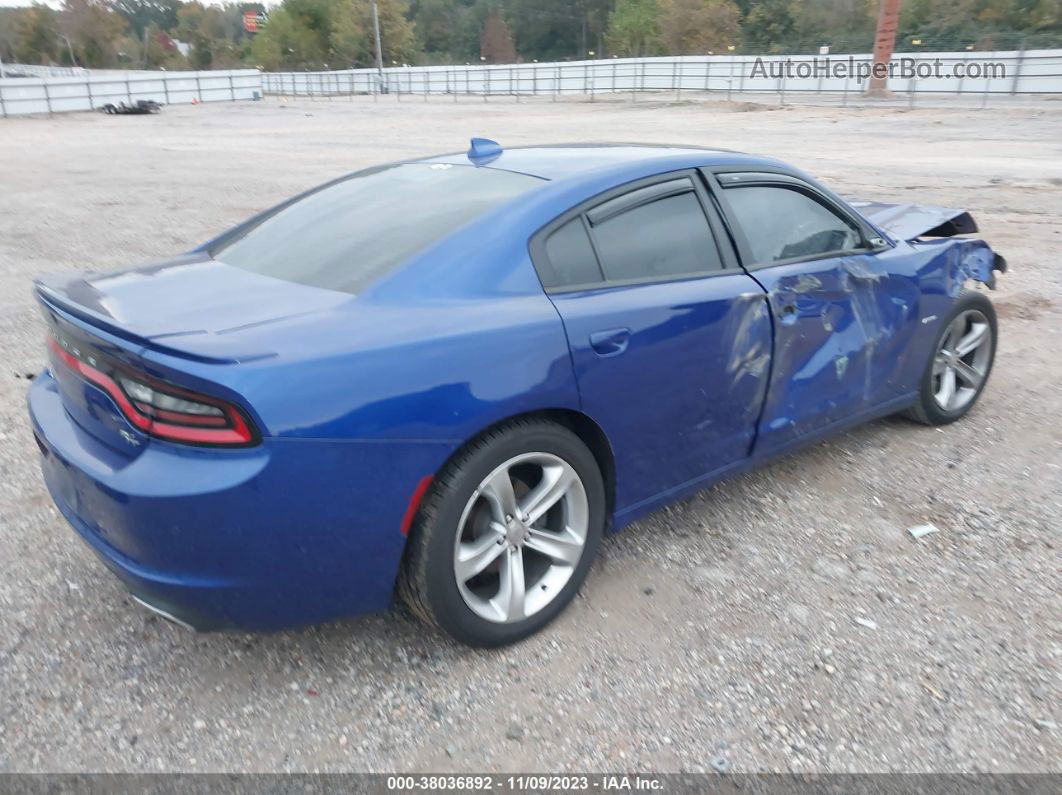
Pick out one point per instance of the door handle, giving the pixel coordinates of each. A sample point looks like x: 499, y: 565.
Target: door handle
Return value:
x: 610, y: 342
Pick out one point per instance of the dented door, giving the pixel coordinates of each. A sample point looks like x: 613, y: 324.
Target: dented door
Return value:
x: 674, y: 373
x: 842, y: 316
x: 843, y: 332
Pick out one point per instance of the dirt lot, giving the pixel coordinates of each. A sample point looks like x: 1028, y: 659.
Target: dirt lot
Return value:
x: 719, y: 633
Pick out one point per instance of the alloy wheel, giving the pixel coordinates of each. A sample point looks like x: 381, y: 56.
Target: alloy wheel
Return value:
x: 521, y: 536
x: 961, y: 363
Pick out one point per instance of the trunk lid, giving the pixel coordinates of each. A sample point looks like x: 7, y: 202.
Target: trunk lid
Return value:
x: 191, y: 309
x: 192, y: 306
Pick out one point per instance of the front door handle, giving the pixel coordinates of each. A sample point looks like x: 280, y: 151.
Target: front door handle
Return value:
x: 610, y: 342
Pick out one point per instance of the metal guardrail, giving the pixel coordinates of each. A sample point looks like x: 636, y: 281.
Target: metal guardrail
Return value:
x: 1033, y: 72
x: 91, y: 91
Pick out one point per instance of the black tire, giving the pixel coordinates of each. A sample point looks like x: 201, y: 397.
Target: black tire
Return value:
x: 926, y: 410
x: 427, y: 582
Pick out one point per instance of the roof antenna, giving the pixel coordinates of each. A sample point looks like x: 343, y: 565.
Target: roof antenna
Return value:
x: 483, y: 151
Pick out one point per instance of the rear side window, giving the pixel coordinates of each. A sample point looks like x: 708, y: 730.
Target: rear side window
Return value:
x: 664, y: 238
x: 782, y: 223
x: 346, y: 235
x: 571, y: 255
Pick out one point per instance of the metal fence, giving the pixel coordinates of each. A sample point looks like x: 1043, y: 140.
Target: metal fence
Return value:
x: 1036, y: 72
x: 38, y: 70
x: 93, y: 90
x: 799, y: 78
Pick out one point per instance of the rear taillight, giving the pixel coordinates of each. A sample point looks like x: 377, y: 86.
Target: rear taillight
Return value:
x: 159, y: 408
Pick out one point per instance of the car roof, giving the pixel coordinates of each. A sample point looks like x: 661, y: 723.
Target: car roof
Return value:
x: 559, y: 161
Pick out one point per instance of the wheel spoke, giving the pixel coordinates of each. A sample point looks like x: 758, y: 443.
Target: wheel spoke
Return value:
x: 565, y: 548
x: 474, y: 556
x: 498, y: 491
x: 556, y: 480
x: 954, y: 333
x: 947, y: 388
x: 510, y: 599
x: 967, y: 374
x: 973, y: 339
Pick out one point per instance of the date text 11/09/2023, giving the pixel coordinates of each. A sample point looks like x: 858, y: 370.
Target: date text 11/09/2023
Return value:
x: 524, y: 783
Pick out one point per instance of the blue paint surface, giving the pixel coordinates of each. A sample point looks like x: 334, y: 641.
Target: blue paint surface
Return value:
x: 359, y: 397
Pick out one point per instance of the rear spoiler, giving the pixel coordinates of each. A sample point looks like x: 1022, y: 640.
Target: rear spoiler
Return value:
x: 58, y: 301
x: 908, y: 221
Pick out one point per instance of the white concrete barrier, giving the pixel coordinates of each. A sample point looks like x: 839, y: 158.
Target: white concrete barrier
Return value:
x: 93, y: 90
x: 1012, y: 72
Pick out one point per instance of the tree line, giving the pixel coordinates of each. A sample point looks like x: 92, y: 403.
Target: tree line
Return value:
x: 338, y: 34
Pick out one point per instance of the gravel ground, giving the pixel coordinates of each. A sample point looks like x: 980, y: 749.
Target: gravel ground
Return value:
x: 780, y: 621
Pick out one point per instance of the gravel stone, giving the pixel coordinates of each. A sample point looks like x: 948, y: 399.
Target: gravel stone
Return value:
x: 515, y: 733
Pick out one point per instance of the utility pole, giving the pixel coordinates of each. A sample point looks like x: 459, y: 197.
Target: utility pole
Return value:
x: 379, y: 48
x: 884, y: 43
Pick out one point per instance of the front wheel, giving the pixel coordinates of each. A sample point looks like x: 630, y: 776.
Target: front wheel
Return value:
x: 506, y: 534
x: 962, y: 360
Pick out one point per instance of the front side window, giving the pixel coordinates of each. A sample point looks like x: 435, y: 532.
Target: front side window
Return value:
x: 665, y: 238
x: 781, y: 223
x: 350, y: 233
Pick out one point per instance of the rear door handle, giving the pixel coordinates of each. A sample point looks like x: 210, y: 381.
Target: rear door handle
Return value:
x: 610, y: 342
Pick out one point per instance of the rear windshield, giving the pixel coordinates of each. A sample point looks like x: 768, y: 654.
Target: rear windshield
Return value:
x: 346, y: 235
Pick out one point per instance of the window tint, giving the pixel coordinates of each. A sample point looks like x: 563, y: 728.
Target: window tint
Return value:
x: 345, y: 235
x: 666, y: 237
x: 571, y: 255
x: 781, y: 223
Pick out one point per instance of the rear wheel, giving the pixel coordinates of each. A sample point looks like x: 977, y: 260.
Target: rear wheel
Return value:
x: 962, y: 360
x: 506, y: 535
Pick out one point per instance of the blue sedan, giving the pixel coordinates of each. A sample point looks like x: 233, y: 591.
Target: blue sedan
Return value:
x: 446, y: 378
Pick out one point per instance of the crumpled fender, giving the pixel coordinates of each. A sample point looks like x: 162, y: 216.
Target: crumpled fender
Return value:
x: 972, y: 259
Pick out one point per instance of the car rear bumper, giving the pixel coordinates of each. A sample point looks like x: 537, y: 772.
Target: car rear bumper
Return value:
x: 283, y: 534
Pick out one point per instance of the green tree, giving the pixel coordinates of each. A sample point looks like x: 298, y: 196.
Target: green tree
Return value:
x: 286, y: 43
x: 204, y: 28
x: 696, y: 27
x: 557, y: 29
x: 141, y: 13
x: 37, y: 35
x: 269, y: 46
x: 633, y: 27
x: 10, y: 21
x: 769, y: 25
x: 93, y: 30
x: 397, y: 33
x: 350, y: 38
x: 448, y: 30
